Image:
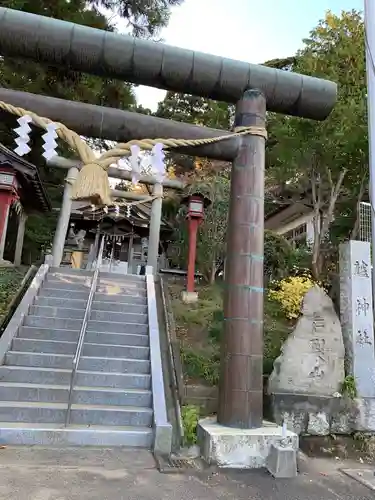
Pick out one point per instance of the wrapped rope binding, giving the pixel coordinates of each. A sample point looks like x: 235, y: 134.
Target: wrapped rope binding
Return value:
x: 92, y: 185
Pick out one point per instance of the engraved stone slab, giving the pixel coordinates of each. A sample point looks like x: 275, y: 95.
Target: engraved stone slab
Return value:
x: 318, y: 424
x: 357, y: 314
x: 312, y: 358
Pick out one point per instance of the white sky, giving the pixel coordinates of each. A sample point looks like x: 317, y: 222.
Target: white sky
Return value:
x: 247, y: 30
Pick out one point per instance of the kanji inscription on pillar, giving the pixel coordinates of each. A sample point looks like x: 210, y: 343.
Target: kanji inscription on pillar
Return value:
x: 356, y: 310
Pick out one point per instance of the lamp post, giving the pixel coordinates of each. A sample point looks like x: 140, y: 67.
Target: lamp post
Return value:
x: 196, y: 204
x: 8, y: 187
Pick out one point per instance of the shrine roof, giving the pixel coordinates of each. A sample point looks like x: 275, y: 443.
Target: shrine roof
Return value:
x: 32, y: 194
x: 139, y: 215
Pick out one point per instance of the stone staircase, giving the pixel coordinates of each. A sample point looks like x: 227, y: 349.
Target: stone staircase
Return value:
x: 112, y: 402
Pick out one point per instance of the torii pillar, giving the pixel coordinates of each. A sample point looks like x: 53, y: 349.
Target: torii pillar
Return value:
x: 241, y: 383
x: 238, y: 438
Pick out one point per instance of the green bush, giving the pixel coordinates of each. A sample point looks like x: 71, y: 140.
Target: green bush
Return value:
x: 349, y: 387
x: 190, y: 417
x: 217, y: 325
x: 278, y: 256
x: 281, y: 259
x: 204, y: 365
x: 10, y: 280
x: 276, y: 330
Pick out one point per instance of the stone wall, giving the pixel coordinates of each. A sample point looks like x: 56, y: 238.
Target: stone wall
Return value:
x: 203, y: 396
x: 322, y: 416
x: 206, y: 398
x: 315, y: 415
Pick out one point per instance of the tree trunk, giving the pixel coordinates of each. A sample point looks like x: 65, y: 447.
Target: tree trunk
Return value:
x: 213, y: 273
x: 315, y: 267
x: 321, y: 227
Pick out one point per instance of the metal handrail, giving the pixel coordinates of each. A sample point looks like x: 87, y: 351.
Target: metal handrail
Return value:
x: 177, y: 377
x: 82, y: 332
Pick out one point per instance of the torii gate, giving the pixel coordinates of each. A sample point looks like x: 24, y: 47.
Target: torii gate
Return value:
x: 252, y: 88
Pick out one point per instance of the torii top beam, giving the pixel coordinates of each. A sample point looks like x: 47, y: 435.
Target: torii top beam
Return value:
x: 144, y: 62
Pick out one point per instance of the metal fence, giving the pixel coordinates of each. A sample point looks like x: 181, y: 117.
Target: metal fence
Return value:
x: 365, y: 221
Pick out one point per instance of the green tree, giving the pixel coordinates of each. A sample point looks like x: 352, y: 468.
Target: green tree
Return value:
x: 144, y: 16
x: 326, y: 160
x: 198, y: 111
x: 211, y: 181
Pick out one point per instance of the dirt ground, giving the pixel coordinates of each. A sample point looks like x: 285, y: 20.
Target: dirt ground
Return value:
x: 123, y: 474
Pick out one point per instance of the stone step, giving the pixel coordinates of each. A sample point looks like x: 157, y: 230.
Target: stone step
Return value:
x: 50, y: 291
x: 115, y: 277
x: 50, y: 376
x: 69, y: 271
x: 58, y: 323
x: 38, y: 412
x: 34, y: 375
x: 123, y: 298
x: 119, y: 307
x: 63, y: 285
x: 57, y: 312
x: 64, y: 312
x: 112, y: 397
x: 96, y: 350
x: 93, y: 325
x: 30, y: 332
x: 75, y: 435
x: 119, y: 317
x: 17, y: 358
x: 121, y: 288
x: 14, y: 391
x: 113, y: 327
x: 64, y: 361
x: 96, y: 305
x: 120, y: 339
x: 73, y: 279
x: 114, y: 380
x: 60, y: 302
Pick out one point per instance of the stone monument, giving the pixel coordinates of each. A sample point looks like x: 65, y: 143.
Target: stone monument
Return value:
x: 308, y: 374
x: 357, y: 314
x: 312, y: 358
x: 356, y: 306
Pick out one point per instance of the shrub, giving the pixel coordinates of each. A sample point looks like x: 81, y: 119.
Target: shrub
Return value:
x: 217, y: 325
x: 289, y: 292
x: 278, y: 256
x: 201, y: 365
x: 190, y: 417
x: 276, y: 330
x: 349, y: 387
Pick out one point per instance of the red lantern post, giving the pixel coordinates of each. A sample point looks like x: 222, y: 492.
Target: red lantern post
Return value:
x: 8, y: 189
x: 196, y: 204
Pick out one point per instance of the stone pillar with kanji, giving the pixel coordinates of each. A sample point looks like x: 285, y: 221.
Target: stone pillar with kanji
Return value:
x: 356, y: 311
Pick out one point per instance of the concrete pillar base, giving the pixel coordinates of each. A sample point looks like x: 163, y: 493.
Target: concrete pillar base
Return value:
x: 189, y: 297
x: 282, y: 461
x: 241, y: 448
x: 6, y: 263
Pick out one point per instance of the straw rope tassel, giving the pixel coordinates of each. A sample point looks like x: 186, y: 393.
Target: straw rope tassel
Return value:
x: 92, y: 182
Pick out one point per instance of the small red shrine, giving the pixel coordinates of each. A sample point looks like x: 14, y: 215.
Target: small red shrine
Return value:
x: 21, y: 193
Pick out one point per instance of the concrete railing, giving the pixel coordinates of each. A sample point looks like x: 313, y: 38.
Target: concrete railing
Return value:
x: 162, y: 428
x: 22, y: 310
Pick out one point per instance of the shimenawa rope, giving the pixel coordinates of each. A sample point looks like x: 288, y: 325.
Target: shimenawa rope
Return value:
x: 92, y: 183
